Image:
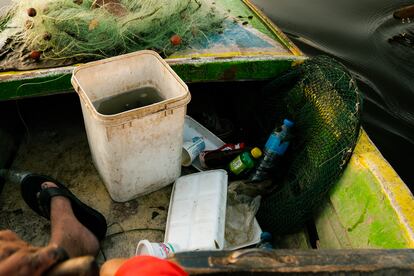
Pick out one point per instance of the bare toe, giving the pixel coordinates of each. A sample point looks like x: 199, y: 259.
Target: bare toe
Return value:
x: 48, y: 184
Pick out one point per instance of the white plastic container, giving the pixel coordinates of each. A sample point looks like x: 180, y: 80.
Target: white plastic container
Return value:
x: 156, y: 249
x: 138, y: 151
x: 197, y: 212
x: 191, y: 150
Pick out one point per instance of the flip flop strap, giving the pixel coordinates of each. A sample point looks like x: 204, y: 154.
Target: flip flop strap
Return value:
x: 45, y: 197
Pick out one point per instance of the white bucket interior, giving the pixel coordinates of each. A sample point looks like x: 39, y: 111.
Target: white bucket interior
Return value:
x: 115, y: 76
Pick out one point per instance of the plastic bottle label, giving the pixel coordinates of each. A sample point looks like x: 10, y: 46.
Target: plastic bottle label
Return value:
x: 192, y: 149
x: 274, y: 144
x: 237, y: 166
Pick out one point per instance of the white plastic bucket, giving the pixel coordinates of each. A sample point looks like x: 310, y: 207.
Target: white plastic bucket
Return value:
x: 156, y: 249
x: 137, y: 151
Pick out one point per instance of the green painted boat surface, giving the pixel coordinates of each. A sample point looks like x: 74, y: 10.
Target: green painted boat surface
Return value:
x: 257, y: 50
x: 370, y: 206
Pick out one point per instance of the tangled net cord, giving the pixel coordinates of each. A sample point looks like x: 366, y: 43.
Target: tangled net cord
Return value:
x: 65, y: 29
x: 322, y: 98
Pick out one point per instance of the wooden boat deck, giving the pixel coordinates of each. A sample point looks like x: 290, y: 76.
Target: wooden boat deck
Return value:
x: 58, y: 147
x: 370, y: 207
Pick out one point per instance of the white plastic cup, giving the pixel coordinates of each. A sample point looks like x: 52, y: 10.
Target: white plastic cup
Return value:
x: 191, y: 150
x: 156, y: 249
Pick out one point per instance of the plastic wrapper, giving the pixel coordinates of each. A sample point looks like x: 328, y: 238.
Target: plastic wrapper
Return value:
x: 240, y: 217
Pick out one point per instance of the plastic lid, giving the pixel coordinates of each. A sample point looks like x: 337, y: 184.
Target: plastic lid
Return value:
x: 256, y: 153
x: 288, y: 123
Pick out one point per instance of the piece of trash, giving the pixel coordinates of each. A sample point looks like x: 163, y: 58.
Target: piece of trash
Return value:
x: 136, y: 150
x: 265, y: 241
x: 275, y: 147
x: 245, y: 161
x: 197, y: 212
x: 192, y: 128
x: 221, y: 157
x: 242, y: 229
x: 191, y: 150
x: 156, y: 249
x: 13, y: 176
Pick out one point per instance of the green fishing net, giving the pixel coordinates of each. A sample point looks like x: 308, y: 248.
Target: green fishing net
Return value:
x: 322, y: 98
x: 91, y: 29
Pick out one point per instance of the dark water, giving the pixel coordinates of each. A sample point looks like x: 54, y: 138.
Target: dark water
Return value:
x: 129, y: 100
x: 376, y: 47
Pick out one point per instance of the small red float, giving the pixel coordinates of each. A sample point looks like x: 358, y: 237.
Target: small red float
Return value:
x: 35, y: 55
x: 31, y: 12
x: 175, y: 40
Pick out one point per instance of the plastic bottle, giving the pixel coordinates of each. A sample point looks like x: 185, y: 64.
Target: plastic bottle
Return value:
x: 265, y: 241
x: 244, y: 161
x: 221, y: 157
x: 275, y: 147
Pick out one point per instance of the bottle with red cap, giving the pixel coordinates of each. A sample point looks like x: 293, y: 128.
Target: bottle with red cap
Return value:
x: 221, y: 157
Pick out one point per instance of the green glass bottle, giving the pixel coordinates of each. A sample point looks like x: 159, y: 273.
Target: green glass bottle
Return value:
x: 245, y: 161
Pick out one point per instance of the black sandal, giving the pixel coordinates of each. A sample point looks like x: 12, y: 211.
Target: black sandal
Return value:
x: 39, y: 199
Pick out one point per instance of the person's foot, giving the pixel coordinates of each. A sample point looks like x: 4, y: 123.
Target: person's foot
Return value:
x: 67, y: 232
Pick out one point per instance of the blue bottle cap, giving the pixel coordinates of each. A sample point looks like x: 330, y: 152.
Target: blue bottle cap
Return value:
x: 265, y: 236
x: 288, y: 123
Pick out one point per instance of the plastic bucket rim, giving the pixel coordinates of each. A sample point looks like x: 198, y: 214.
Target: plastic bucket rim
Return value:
x: 173, y: 103
x: 137, y: 113
x: 137, y: 53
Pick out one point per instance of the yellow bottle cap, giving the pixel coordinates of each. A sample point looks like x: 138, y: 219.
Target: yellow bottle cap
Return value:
x: 256, y: 153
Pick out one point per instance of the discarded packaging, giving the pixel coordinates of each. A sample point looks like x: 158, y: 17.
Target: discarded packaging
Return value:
x: 191, y: 150
x: 274, y: 149
x: 192, y: 128
x: 221, y: 157
x: 242, y: 228
x: 156, y: 249
x: 265, y: 241
x: 245, y: 161
x: 197, y: 212
x: 136, y: 151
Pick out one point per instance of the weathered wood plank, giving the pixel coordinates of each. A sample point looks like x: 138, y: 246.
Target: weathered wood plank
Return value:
x: 303, y: 262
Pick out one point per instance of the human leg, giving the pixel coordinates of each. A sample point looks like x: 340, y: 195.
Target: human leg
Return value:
x: 66, y: 231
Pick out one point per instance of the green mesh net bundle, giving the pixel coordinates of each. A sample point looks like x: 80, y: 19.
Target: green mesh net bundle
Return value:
x: 322, y: 98
x: 91, y: 29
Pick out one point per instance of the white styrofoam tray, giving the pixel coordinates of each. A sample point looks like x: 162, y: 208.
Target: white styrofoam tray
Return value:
x: 192, y: 128
x: 197, y: 212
